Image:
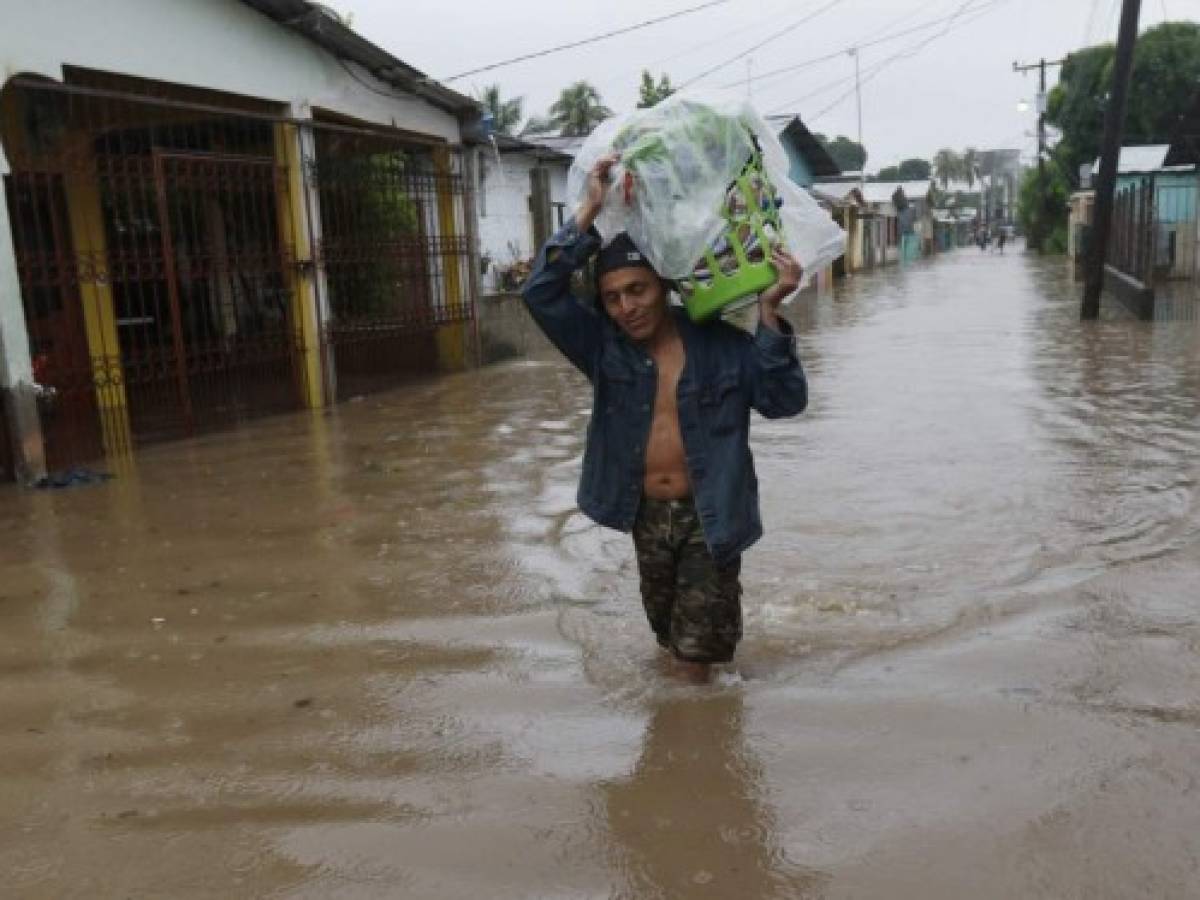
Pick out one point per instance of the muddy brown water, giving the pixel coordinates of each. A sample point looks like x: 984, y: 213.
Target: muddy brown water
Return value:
x: 378, y: 653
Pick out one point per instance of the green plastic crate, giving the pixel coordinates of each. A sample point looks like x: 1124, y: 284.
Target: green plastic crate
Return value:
x: 753, y: 229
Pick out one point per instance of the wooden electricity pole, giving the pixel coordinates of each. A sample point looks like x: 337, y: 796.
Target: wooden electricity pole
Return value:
x: 1110, y: 152
x: 1035, y: 239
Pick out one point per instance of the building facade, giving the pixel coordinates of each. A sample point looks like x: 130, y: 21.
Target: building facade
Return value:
x: 187, y: 244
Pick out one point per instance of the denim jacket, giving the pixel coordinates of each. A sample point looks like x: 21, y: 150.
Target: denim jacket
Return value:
x: 727, y: 372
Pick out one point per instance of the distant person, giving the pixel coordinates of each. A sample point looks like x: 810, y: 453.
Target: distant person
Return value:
x: 667, y: 453
x: 1002, y: 239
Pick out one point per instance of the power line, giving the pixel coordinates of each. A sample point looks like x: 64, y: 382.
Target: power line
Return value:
x: 817, y: 92
x: 933, y: 23
x: 901, y: 18
x: 590, y: 40
x: 763, y: 19
x: 724, y: 36
x: 790, y: 28
x: 372, y: 88
x: 912, y: 51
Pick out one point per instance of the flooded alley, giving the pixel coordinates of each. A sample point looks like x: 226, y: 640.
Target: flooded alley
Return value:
x: 377, y: 652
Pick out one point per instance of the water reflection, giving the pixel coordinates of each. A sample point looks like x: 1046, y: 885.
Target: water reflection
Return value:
x: 691, y: 821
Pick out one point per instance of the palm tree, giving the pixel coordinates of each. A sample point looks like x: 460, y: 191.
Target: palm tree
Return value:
x: 971, y: 166
x: 578, y: 110
x: 506, y: 114
x: 947, y: 166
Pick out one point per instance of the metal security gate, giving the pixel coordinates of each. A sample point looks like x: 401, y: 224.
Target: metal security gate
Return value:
x: 394, y: 253
x: 220, y: 329
x: 153, y: 246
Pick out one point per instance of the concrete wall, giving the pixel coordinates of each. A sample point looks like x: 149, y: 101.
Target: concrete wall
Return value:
x: 507, y: 331
x: 505, y: 220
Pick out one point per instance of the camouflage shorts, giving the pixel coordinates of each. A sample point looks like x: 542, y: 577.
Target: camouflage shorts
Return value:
x: 694, y: 605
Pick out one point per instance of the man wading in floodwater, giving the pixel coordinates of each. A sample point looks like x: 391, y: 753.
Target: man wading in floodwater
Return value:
x: 667, y: 450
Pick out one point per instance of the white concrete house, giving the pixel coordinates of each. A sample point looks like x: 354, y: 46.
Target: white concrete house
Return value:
x: 213, y: 210
x: 522, y: 200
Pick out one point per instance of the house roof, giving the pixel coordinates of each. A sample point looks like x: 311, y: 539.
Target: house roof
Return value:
x: 917, y: 190
x: 1138, y: 160
x: 569, y: 146
x: 326, y: 30
x: 840, y: 194
x: 881, y: 191
x: 508, y: 144
x: 913, y: 190
x: 841, y: 178
x: 820, y: 163
x: 822, y: 196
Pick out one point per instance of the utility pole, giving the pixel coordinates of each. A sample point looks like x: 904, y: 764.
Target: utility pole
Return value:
x: 1036, y: 239
x: 858, y: 95
x: 1110, y: 152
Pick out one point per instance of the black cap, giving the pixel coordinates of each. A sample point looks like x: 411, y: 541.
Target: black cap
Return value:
x: 621, y: 253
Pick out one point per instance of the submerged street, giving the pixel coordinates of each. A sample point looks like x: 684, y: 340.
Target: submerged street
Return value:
x: 377, y: 652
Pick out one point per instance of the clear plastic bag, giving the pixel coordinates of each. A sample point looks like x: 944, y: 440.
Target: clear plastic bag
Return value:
x: 677, y: 162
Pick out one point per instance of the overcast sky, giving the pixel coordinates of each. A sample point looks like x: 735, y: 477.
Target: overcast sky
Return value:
x: 956, y: 91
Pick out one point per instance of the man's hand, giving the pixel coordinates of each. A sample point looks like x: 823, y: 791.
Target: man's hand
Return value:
x: 790, y: 273
x: 597, y: 185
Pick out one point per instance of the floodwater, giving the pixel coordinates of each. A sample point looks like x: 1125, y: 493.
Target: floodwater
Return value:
x: 378, y: 653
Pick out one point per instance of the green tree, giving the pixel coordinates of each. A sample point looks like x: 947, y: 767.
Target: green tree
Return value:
x: 506, y: 114
x: 947, y: 166
x: 578, y: 110
x: 1166, y: 74
x: 651, y: 94
x: 850, y: 156
x: 970, y: 166
x: 914, y: 170
x: 1042, y: 206
x: 907, y: 170
x: 1076, y: 106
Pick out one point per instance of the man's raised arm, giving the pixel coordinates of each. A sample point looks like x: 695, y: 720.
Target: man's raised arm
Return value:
x: 573, y: 327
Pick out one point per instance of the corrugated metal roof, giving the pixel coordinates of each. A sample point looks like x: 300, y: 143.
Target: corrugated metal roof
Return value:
x: 566, y: 145
x: 1136, y: 160
x: 880, y: 191
x: 913, y: 190
x: 538, y: 146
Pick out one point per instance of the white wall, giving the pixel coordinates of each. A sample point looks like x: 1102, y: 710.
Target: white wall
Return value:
x: 15, y: 363
x: 218, y: 44
x: 505, y: 222
x: 558, y: 188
